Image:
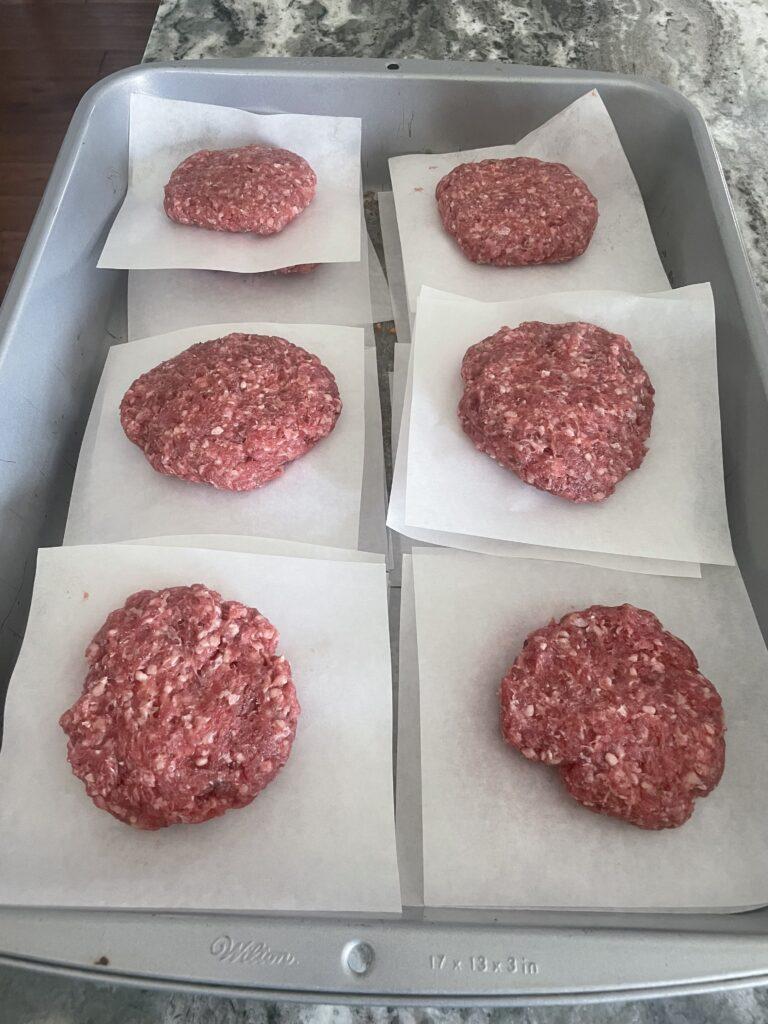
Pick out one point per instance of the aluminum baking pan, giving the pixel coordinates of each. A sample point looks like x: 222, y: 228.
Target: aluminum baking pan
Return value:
x: 53, y: 340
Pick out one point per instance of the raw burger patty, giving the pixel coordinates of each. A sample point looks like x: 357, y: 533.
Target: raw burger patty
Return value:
x: 187, y: 710
x: 298, y: 268
x: 567, y: 407
x: 516, y: 212
x: 253, y: 188
x: 619, y: 705
x: 231, y: 412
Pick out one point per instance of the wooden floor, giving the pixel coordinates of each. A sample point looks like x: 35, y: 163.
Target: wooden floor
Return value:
x: 51, y: 52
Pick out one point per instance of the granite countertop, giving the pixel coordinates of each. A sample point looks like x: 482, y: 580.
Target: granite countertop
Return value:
x: 714, y: 51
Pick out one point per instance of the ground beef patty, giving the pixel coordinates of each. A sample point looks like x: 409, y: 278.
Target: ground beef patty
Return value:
x: 253, y: 188
x: 186, y: 712
x: 619, y: 705
x: 517, y: 212
x: 567, y: 407
x: 231, y: 412
x: 298, y: 268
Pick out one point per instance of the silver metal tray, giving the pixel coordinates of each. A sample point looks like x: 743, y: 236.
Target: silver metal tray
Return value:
x: 53, y: 340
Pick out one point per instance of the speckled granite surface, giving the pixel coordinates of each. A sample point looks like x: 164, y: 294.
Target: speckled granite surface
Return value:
x: 716, y: 52
x: 38, y: 999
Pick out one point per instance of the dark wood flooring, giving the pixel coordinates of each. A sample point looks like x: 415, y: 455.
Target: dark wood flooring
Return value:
x: 51, y: 52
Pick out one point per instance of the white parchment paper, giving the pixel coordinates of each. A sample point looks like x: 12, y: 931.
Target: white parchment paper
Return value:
x: 521, y: 840
x: 393, y: 257
x: 164, y: 132
x: 372, y: 532
x: 672, y: 507
x: 622, y: 253
x: 354, y: 294
x: 319, y: 838
x: 399, y: 380
x: 407, y: 534
x: 259, y: 546
x: 399, y: 543
x: 118, y: 496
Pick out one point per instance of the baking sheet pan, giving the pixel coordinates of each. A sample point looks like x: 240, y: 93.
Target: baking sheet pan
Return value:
x: 58, y: 299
